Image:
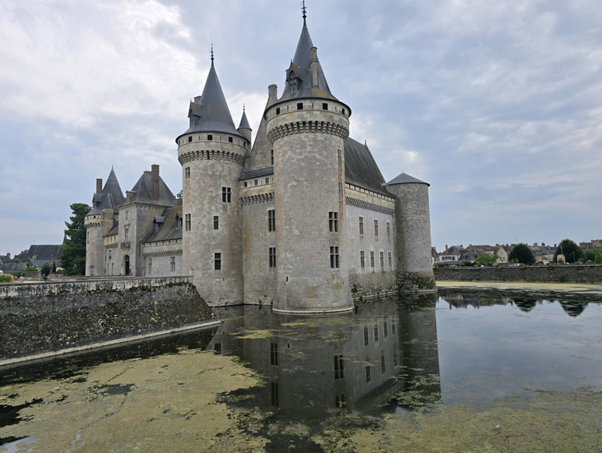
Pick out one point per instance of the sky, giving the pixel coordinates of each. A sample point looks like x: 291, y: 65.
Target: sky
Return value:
x: 497, y: 104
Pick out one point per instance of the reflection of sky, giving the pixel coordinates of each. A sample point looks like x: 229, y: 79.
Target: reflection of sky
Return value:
x: 499, y: 350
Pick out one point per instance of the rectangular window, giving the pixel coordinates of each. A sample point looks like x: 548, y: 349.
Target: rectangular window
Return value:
x: 209, y: 137
x: 390, y: 261
x: 127, y: 234
x: 385, y: 329
x: 187, y: 173
x: 388, y: 230
x: 382, y: 260
x: 271, y: 220
x: 375, y: 228
x: 275, y: 396
x: 110, y: 254
x: 362, y: 260
x: 230, y: 140
x: 256, y: 181
x: 274, y: 354
x: 272, y: 254
x: 127, y: 215
x: 272, y: 155
x: 216, y: 222
x: 112, y: 268
x: 376, y: 332
x: 334, y: 257
x: 226, y: 194
x: 300, y: 106
x: 150, y: 266
x: 333, y: 222
x: 217, y: 261
x: 366, y: 339
x: 189, y: 139
x: 267, y: 180
x: 172, y: 263
x: 92, y: 270
x: 372, y: 259
x: 361, y: 226
x: 382, y: 362
x: 324, y: 106
x: 368, y: 373
x: 188, y: 223
x: 339, y: 372
x: 278, y: 111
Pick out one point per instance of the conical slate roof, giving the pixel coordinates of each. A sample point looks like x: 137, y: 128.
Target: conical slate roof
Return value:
x: 110, y: 197
x: 404, y: 178
x: 141, y: 192
x: 244, y: 122
x: 213, y: 114
x: 302, y: 61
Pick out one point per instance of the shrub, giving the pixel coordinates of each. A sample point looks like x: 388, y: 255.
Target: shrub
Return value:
x: 31, y: 269
x: 6, y: 278
x: 522, y: 253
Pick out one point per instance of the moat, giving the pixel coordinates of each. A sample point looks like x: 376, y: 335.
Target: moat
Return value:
x: 454, y: 373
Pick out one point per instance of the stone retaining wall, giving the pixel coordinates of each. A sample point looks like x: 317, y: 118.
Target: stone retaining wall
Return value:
x: 54, y: 317
x: 535, y: 274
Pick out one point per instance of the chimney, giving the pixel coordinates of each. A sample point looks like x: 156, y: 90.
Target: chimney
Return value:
x: 155, y: 182
x: 313, y: 67
x: 272, y: 94
x: 8, y: 255
x: 446, y: 249
x: 543, y: 244
x: 98, y: 186
x: 197, y: 100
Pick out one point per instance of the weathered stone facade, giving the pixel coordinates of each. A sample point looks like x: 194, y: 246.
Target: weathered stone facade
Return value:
x: 301, y: 219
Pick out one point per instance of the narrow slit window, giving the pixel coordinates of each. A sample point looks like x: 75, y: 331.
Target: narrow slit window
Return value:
x: 188, y: 223
x: 368, y: 379
x: 366, y: 336
x: 217, y: 261
x: 216, y: 222
x: 388, y: 230
x: 375, y: 228
x: 372, y: 259
x: 361, y: 226
x: 271, y: 220
x: 273, y: 353
x: 362, y: 260
x: 382, y: 260
x: 339, y: 370
x: 375, y: 332
x: 272, y: 256
x: 272, y: 156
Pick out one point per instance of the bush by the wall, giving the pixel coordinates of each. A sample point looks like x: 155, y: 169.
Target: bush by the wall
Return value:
x: 6, y: 278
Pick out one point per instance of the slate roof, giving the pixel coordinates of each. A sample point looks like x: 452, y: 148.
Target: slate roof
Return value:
x: 141, y: 193
x: 213, y: 114
x: 110, y: 197
x: 244, y: 122
x: 9, y: 268
x: 114, y: 230
x: 169, y: 229
x: 257, y: 173
x: 41, y: 253
x: 300, y: 64
x: 361, y: 169
x: 404, y: 178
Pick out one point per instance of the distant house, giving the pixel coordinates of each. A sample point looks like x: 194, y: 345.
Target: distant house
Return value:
x: 456, y: 254
x: 500, y: 251
x: 595, y: 244
x: 38, y: 255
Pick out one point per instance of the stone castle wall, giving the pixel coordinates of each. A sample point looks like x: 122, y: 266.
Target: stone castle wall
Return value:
x: 535, y: 274
x: 45, y: 318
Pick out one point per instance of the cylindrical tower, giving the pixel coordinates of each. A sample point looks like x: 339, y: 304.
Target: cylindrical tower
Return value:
x: 212, y: 154
x: 413, y: 231
x: 308, y: 127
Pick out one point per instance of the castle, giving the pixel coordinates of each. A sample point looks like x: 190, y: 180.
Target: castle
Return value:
x: 301, y: 219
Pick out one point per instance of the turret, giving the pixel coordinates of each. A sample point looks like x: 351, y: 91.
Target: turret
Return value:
x: 307, y: 127
x: 244, y: 128
x: 98, y: 222
x: 413, y: 241
x: 212, y: 153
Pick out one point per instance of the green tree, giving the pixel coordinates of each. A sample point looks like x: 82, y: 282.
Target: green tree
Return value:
x: 522, y: 254
x: 16, y: 260
x: 180, y: 194
x: 46, y: 269
x: 571, y: 251
x: 486, y: 259
x: 73, y: 253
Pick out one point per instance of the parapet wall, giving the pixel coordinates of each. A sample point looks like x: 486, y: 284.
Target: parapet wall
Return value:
x: 534, y: 274
x: 42, y: 319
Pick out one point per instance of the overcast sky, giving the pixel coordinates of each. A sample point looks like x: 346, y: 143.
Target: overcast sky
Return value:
x: 497, y: 104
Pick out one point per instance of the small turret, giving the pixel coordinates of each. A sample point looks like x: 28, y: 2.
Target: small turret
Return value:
x: 244, y: 128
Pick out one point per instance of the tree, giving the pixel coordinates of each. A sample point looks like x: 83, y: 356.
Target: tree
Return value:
x: 522, y: 254
x: 486, y: 259
x: 73, y: 253
x: 16, y: 260
x: 180, y: 194
x: 45, y: 271
x: 571, y: 251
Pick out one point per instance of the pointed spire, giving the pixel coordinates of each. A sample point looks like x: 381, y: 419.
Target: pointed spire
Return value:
x: 244, y: 122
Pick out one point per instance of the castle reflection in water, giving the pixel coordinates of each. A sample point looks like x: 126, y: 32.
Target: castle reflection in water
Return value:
x: 384, y: 357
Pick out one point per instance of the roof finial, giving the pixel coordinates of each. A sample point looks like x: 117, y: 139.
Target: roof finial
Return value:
x: 304, y: 10
x: 212, y: 51
x: 243, y: 108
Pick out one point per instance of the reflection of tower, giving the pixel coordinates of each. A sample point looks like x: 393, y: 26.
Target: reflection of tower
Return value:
x: 312, y: 365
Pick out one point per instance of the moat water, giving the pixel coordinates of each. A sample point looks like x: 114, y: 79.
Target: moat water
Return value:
x: 448, y: 373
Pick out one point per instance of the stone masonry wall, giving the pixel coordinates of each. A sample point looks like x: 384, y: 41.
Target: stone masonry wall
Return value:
x: 37, y: 321
x: 536, y: 274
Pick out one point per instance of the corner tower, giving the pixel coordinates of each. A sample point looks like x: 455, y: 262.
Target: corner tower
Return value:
x: 307, y: 127
x: 212, y: 153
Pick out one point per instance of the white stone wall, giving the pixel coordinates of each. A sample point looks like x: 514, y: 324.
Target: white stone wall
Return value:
x: 259, y: 279
x: 158, y: 257
x: 94, y: 245
x: 213, y: 164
